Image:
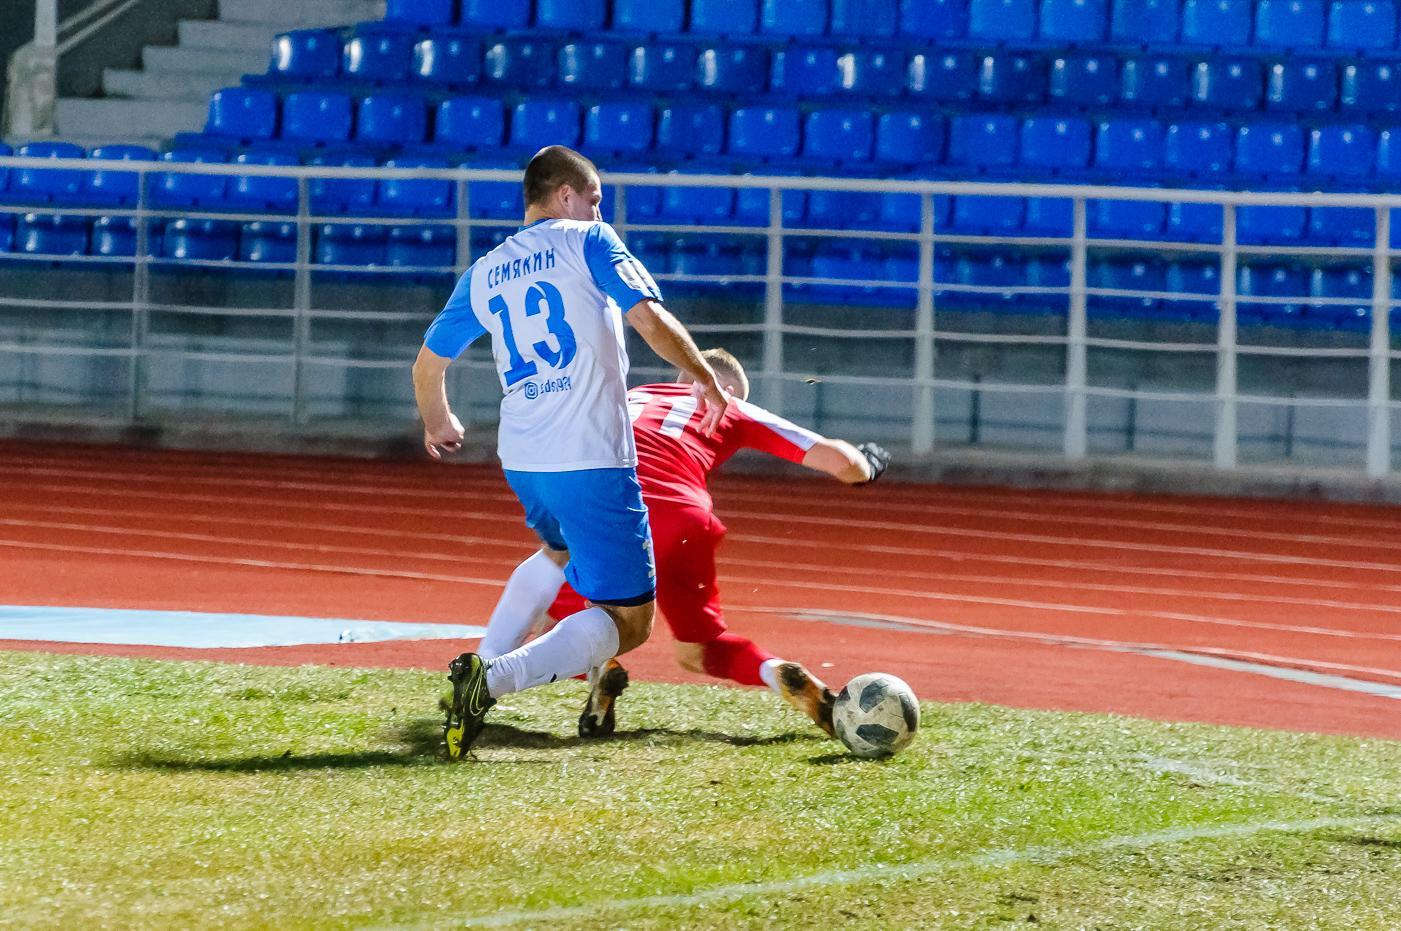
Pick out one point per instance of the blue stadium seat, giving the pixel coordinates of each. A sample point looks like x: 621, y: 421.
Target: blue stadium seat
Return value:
x: 47, y: 185
x: 263, y: 192
x: 619, y: 126
x: 988, y: 216
x: 1346, y: 151
x: 316, y: 116
x: 934, y: 19
x: 989, y: 270
x: 1074, y: 20
x: 1132, y: 274
x: 1002, y: 20
x: 495, y: 14
x: 696, y: 204
x: 1289, y: 24
x: 1388, y: 165
x: 1269, y: 149
x: 909, y: 138
x: 1223, y: 23
x: 1012, y: 78
x: 1341, y: 226
x: 496, y: 200
x: 173, y: 189
x: 768, y: 132
x: 1193, y: 278
x: 1301, y: 86
x: 1129, y: 146
x: 422, y: 197
x: 1270, y: 225
x: 419, y: 12
x: 838, y: 135
x: 1126, y: 219
x: 242, y: 113
x: 520, y: 64
x: 1155, y: 81
x: 265, y: 242
x: 649, y: 15
x: 901, y: 213
x: 1043, y: 271
x: 793, y: 18
x: 691, y: 129
x: 1362, y: 24
x: 592, y: 65
x: 1349, y: 281
x: 576, y: 15
x: 865, y: 18
x: 662, y: 68
x: 1198, y: 148
x: 113, y: 187
x: 350, y: 244
x: 342, y: 195
x: 200, y: 240
x: 310, y: 54
x: 732, y: 69
x: 947, y: 77
x: 1227, y: 84
x: 50, y: 234
x: 804, y: 72
x: 1053, y: 143
x: 470, y: 123
x: 1194, y: 223
x: 391, y: 119
x: 1146, y: 22
x: 112, y: 237
x: 871, y: 74
x: 752, y: 204
x: 1049, y: 216
x: 421, y: 246
x: 1084, y: 80
x: 983, y: 141
x: 724, y: 17
x: 382, y: 56
x: 846, y: 210
x: 1265, y: 280
x: 450, y: 59
x: 1371, y: 86
x: 539, y: 122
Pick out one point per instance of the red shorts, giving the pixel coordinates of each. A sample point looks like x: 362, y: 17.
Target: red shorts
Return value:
x: 684, y: 540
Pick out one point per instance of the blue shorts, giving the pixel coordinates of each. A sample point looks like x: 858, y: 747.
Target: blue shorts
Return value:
x: 598, y: 516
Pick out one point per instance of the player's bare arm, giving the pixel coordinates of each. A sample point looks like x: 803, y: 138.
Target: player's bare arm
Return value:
x: 670, y: 340
x: 442, y: 431
x: 854, y: 465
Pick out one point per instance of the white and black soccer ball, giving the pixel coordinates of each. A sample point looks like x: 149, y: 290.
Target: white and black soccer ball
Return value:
x: 876, y: 715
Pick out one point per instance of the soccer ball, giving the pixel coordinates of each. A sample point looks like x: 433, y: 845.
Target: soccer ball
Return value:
x: 876, y: 715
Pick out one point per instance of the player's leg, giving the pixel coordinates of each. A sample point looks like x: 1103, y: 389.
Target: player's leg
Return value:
x: 530, y: 590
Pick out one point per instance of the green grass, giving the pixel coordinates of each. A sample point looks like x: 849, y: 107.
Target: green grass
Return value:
x: 156, y: 794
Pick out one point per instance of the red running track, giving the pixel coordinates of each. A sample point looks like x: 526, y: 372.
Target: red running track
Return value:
x: 1026, y: 598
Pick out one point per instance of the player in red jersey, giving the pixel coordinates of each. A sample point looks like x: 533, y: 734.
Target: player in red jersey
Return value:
x: 675, y: 461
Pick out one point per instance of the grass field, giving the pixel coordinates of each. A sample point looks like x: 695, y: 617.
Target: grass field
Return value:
x: 159, y: 794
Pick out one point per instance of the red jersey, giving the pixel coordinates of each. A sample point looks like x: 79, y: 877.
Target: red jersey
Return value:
x: 674, y: 459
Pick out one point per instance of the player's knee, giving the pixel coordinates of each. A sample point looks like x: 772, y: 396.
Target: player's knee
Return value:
x: 691, y: 656
x: 634, y: 625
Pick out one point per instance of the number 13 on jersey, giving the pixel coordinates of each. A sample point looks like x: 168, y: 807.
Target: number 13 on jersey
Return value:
x: 542, y: 297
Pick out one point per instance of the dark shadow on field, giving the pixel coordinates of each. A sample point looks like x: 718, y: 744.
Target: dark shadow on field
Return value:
x: 840, y: 757
x: 1364, y: 840
x: 508, y: 735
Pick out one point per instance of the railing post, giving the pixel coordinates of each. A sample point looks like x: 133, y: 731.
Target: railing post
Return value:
x: 32, y: 77
x: 922, y: 432
x: 1227, y: 439
x: 1379, y: 355
x: 1076, y: 361
x: 140, y: 300
x: 462, y: 253
x: 301, y: 303
x: 773, y: 306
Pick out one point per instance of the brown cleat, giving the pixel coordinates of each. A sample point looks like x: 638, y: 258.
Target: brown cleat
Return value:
x: 606, y: 684
x: 806, y: 692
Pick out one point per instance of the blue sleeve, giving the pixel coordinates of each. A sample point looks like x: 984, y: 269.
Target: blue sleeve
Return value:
x: 456, y: 327
x: 615, y: 270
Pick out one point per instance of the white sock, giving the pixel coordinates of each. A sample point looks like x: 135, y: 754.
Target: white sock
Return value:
x: 529, y: 591
x: 768, y: 671
x: 577, y: 644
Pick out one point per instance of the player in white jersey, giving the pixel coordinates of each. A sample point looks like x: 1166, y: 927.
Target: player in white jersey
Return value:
x: 553, y: 297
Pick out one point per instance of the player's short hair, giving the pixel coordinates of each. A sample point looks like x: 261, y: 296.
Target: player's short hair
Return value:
x: 729, y: 369
x: 553, y: 167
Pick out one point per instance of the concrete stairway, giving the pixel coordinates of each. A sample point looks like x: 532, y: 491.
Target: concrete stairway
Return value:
x: 169, y: 94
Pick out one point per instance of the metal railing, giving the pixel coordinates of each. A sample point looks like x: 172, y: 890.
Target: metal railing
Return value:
x: 920, y: 332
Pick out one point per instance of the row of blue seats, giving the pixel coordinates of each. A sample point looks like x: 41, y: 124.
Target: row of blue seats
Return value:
x: 1071, y: 79
x: 1343, y: 24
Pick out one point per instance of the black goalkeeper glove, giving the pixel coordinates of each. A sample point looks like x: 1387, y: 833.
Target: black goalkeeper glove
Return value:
x: 878, y: 459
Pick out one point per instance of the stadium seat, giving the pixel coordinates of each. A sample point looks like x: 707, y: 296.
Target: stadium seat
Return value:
x: 846, y: 210
x: 111, y: 237
x: 1155, y: 81
x: 793, y: 17
x: 691, y: 130
x: 599, y: 66
x: 495, y: 200
x: 1292, y: 24
x: 1194, y: 223
x: 732, y: 69
x: 1269, y: 149
x: 309, y: 54
x: 989, y: 270
x: 842, y: 136
x: 662, y: 68
x: 575, y: 15
x: 1341, y: 226
x: 1193, y: 278
x: 200, y: 240
x: 1012, y: 78
x: 909, y: 138
x: 983, y: 141
x: 342, y: 195
x: 1049, y: 216
x: 1265, y: 280
x: 752, y: 205
x: 263, y: 192
x: 1126, y: 219
x: 1132, y: 274
x: 423, y: 197
x: 804, y: 72
x: 316, y: 116
x: 988, y: 216
x: 724, y: 17
x: 1198, y: 148
x: 1227, y: 84
x: 242, y: 113
x: 897, y: 212
x: 421, y: 246
x: 649, y: 15
x: 871, y: 74
x: 1257, y: 225
x: 50, y: 234
x: 355, y: 245
x: 517, y: 65
x: 105, y: 186
x: 470, y: 123
x: 864, y: 18
x: 618, y: 126
x: 1146, y: 22
x: 539, y: 122
x: 934, y: 19
x: 1342, y: 152
x: 391, y: 119
x: 695, y: 204
x: 1371, y: 87
x: 1388, y: 164
x: 1073, y: 20
x: 449, y: 59
x: 382, y: 56
x: 1084, y: 81
x: 1347, y: 282
x: 1002, y: 20
x: 1362, y: 24
x: 495, y: 14
x: 174, y: 189
x: 419, y: 12
x: 1128, y: 146
x: 767, y: 132
x: 47, y: 185
x: 1223, y: 23
x: 1055, y: 143
x: 1301, y: 86
x: 948, y: 77
x: 265, y: 242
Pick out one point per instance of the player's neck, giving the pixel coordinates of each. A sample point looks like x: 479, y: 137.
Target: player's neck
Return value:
x: 534, y: 214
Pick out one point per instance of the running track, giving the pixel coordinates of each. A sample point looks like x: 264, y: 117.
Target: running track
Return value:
x: 1080, y: 601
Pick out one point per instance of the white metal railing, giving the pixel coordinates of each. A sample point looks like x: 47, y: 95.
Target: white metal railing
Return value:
x: 922, y: 331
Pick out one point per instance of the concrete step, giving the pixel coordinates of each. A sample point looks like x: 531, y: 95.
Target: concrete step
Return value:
x: 115, y: 120
x: 185, y: 59
x: 301, y: 14
x: 166, y: 85
x: 213, y: 33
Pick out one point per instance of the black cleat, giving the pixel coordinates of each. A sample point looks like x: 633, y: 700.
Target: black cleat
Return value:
x: 466, y: 713
x: 806, y: 692
x: 607, y: 683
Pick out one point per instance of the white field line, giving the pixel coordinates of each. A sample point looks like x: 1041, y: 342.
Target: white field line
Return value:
x: 921, y: 869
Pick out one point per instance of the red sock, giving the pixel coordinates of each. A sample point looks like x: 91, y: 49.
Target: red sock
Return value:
x: 730, y: 656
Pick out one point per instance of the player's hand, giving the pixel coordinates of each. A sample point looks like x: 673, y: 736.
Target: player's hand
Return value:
x: 445, y: 439
x: 714, y: 402
x: 876, y: 457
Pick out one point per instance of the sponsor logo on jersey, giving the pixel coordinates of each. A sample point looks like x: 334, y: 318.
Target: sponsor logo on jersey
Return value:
x: 534, y: 389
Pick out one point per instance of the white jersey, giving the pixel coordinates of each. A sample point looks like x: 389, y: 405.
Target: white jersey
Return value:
x: 552, y: 298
